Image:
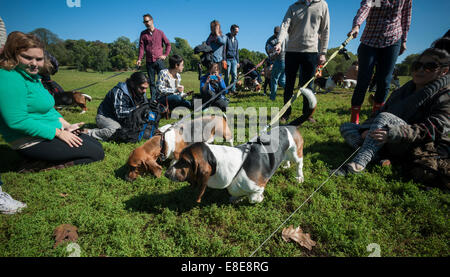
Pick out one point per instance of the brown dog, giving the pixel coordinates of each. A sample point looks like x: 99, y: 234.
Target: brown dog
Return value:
x: 172, y: 140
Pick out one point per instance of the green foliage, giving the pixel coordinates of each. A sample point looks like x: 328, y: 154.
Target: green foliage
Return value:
x: 339, y: 63
x: 404, y: 68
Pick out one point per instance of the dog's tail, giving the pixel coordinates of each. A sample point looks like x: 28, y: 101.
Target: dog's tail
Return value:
x: 88, y: 97
x: 312, y: 104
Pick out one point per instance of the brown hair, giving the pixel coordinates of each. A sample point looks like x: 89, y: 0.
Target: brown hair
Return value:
x: 215, y: 23
x: 16, y: 43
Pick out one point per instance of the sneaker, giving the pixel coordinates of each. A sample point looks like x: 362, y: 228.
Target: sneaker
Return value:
x: 10, y: 206
x: 347, y: 169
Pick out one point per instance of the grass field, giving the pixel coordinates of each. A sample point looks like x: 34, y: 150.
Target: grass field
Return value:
x: 157, y: 217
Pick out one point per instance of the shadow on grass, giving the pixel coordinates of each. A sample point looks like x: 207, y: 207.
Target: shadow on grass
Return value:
x: 179, y: 200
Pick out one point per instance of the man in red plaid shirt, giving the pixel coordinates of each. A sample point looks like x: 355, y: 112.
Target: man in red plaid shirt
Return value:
x: 383, y: 40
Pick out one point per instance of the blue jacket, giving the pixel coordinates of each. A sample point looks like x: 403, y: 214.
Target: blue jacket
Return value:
x: 211, y: 89
x: 217, y: 44
x: 232, y: 48
x: 118, y: 103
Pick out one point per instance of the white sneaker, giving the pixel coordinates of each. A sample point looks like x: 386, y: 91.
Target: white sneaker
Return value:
x: 10, y: 206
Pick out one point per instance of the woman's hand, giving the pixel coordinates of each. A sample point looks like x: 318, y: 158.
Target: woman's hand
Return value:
x: 379, y: 135
x: 180, y: 88
x: 68, y: 137
x: 75, y: 127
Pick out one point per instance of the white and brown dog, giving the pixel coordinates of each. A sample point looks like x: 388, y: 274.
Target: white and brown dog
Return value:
x: 243, y: 175
x: 171, y: 140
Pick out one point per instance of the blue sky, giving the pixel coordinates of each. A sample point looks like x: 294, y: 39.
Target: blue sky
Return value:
x: 106, y: 20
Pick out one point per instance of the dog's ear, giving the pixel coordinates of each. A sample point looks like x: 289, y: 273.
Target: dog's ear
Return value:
x: 205, y: 167
x: 153, y: 167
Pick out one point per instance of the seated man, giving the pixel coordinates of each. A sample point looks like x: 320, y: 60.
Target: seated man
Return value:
x: 413, y: 121
x: 118, y: 104
x: 253, y: 78
x: 169, y: 87
x: 211, y: 84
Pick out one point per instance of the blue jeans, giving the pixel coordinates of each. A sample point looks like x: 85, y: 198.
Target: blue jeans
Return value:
x: 152, y: 69
x: 384, y: 59
x: 277, y: 77
x: 231, y: 68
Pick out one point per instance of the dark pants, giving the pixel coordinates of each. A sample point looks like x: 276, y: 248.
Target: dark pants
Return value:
x: 58, y: 151
x: 152, y: 69
x: 175, y: 100
x: 294, y: 61
x: 384, y: 59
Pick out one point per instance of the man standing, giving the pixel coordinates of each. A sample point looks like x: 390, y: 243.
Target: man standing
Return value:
x: 307, y: 24
x: 383, y: 40
x: 151, y: 42
x: 278, y: 61
x: 232, y: 56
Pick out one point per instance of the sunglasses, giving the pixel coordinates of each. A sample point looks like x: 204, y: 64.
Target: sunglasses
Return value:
x: 427, y: 67
x: 146, y: 21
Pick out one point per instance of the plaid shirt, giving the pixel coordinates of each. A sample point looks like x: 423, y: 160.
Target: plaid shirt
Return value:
x: 386, y: 24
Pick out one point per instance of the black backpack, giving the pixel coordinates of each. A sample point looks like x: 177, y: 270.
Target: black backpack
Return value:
x: 142, y: 123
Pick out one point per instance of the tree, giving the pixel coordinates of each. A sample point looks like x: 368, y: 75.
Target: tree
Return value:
x: 123, y: 53
x: 46, y: 36
x: 98, y: 56
x: 339, y: 63
x: 404, y: 68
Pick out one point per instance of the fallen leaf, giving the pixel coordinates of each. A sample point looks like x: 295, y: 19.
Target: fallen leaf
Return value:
x: 65, y: 232
x: 64, y: 195
x: 298, y: 236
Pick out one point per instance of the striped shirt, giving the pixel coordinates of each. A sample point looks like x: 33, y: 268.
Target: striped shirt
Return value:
x: 387, y: 21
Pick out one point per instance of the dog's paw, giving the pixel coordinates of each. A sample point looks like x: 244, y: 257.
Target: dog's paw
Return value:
x: 300, y: 179
x: 83, y: 112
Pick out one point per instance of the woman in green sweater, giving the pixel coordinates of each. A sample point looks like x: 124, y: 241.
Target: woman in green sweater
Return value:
x: 28, y: 121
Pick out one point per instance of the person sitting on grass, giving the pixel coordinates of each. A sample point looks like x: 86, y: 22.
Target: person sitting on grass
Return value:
x: 414, y: 121
x: 211, y: 84
x: 28, y: 120
x: 169, y: 87
x: 118, y: 104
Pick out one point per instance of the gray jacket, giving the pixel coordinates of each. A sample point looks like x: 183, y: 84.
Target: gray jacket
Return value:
x: 308, y: 27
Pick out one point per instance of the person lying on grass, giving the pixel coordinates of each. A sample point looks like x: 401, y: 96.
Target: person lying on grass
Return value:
x: 413, y: 124
x: 118, y: 104
x: 28, y: 120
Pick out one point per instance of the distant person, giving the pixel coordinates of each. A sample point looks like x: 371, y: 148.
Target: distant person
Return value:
x: 169, y: 86
x: 413, y: 125
x: 151, y: 43
x: 118, y: 105
x: 278, y: 75
x: 217, y: 40
x: 210, y: 85
x: 232, y: 57
x: 383, y: 40
x: 308, y: 25
x: 30, y: 124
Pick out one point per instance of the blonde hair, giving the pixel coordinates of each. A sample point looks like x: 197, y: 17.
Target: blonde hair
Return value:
x: 16, y: 43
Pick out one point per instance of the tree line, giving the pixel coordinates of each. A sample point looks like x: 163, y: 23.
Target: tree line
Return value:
x: 123, y: 53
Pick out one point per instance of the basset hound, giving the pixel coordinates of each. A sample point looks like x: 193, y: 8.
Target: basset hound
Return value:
x: 243, y: 170
x: 171, y: 140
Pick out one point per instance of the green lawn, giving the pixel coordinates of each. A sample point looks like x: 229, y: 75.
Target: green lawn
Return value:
x: 157, y: 217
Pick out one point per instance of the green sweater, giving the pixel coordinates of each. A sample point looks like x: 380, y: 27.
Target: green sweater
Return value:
x: 26, y: 107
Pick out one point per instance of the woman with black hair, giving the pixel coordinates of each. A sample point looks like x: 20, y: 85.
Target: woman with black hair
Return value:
x: 170, y: 90
x: 118, y: 105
